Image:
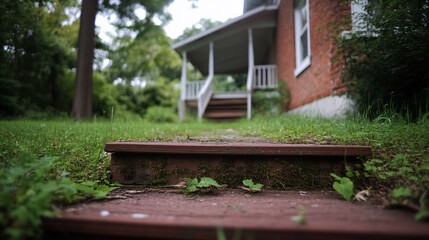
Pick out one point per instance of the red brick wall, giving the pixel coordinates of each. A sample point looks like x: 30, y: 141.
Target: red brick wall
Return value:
x: 322, y: 77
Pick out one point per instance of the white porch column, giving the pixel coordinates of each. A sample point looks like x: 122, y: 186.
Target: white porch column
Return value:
x: 182, y: 105
x: 183, y: 78
x: 250, y: 74
x: 211, y: 61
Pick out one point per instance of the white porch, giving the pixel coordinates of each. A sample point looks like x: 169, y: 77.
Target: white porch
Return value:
x: 242, y: 45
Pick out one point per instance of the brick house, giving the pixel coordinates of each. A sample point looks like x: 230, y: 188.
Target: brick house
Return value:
x: 272, y: 41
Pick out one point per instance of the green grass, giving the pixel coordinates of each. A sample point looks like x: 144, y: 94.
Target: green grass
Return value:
x: 78, y: 146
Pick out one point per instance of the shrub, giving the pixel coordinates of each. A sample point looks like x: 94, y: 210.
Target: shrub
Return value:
x: 160, y: 115
x: 386, y: 68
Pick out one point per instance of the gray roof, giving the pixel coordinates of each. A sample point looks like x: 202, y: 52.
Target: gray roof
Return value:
x: 230, y: 42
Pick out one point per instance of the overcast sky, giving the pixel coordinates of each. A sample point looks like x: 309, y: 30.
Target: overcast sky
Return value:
x: 184, y: 15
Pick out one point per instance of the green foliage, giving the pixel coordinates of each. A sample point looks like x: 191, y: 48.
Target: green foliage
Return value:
x: 300, y: 218
x: 386, y: 66
x: 27, y: 192
x: 267, y: 103
x: 147, y: 56
x: 35, y: 57
x: 400, y: 192
x: 344, y: 186
x: 423, y: 212
x: 29, y: 188
x: 104, y: 96
x: 92, y: 189
x: 160, y: 115
x: 156, y: 93
x: 205, y: 183
x: 38, y: 56
x: 202, y: 25
x: 252, y: 187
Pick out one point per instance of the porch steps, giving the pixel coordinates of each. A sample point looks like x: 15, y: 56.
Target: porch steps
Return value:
x: 226, y: 106
x: 163, y: 213
x: 278, y: 166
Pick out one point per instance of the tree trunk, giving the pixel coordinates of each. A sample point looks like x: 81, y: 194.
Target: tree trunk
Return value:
x: 82, y: 103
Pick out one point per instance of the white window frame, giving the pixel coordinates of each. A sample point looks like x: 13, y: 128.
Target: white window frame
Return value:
x: 358, y: 26
x: 357, y: 10
x: 301, y: 64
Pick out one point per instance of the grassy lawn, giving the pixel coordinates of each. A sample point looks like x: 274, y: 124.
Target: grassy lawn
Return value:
x: 78, y: 146
x: 74, y: 151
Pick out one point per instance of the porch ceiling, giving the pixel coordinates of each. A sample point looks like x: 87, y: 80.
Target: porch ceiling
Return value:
x: 230, y: 42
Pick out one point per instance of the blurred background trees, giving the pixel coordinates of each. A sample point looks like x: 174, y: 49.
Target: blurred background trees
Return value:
x: 38, y: 59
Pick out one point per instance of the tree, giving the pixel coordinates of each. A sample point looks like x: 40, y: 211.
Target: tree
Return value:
x: 82, y: 107
x: 82, y: 103
x: 35, y: 59
x: 387, y: 67
x: 147, y: 56
x: 202, y: 25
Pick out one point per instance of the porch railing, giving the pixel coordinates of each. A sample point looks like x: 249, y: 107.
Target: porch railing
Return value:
x: 193, y: 88
x: 265, y: 77
x: 204, y: 96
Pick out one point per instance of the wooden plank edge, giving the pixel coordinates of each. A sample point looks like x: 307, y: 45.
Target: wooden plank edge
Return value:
x: 125, y: 227
x: 270, y: 149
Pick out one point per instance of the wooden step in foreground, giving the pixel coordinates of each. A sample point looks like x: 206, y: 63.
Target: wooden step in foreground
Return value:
x: 278, y: 166
x: 159, y: 214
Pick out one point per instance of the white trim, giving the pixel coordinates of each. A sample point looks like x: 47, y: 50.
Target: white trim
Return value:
x: 301, y: 64
x: 357, y: 11
x: 250, y: 73
x: 304, y: 65
x: 183, y: 77
x: 360, y: 27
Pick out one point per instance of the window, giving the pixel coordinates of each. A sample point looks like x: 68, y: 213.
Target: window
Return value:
x: 360, y: 16
x: 358, y: 12
x: 302, y: 36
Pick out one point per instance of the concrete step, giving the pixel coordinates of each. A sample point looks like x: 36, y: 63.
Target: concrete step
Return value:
x: 278, y: 166
x: 163, y: 214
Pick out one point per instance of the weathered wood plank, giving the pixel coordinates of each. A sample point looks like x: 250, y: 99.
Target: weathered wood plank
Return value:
x: 268, y: 149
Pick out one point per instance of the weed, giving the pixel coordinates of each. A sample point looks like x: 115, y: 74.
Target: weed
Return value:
x: 205, y: 183
x: 252, y: 187
x: 423, y: 212
x: 27, y: 192
x: 29, y: 189
x: 401, y: 192
x: 344, y: 186
x: 300, y: 218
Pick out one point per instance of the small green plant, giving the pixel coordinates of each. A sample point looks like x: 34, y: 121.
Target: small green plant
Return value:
x: 27, y: 193
x: 344, y: 186
x: 205, y: 183
x: 300, y: 218
x: 93, y: 189
x: 252, y: 187
x: 400, y: 192
x: 423, y: 212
